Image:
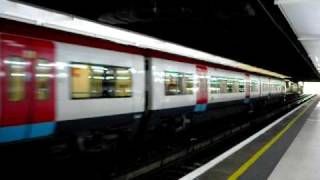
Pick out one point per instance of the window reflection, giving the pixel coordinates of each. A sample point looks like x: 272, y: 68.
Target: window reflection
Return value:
x: 43, y: 77
x: 177, y: 83
x: 16, y: 78
x: 100, y: 81
x: 226, y: 85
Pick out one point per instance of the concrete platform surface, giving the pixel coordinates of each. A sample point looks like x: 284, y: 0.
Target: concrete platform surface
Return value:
x: 258, y: 159
x: 302, y: 159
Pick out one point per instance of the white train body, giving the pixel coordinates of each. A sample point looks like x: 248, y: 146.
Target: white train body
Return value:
x: 96, y: 85
x: 70, y: 109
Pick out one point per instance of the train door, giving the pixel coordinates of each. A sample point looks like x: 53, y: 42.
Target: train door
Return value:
x: 202, y: 94
x: 27, y: 86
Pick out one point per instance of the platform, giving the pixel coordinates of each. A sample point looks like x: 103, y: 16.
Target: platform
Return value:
x: 302, y: 159
x: 288, y: 149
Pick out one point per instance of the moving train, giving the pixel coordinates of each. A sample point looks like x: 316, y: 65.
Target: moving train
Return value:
x: 58, y: 84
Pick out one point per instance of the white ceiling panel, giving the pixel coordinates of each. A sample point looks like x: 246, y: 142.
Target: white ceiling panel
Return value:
x: 304, y: 18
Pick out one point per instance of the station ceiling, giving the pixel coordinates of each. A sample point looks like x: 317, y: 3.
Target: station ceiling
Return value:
x: 254, y: 32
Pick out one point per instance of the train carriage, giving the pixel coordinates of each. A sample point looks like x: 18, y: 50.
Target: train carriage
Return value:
x: 56, y: 83
x: 98, y: 88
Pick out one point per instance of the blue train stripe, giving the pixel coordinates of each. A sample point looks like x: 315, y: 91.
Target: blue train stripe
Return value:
x: 13, y: 133
x: 200, y: 107
x: 42, y: 129
x: 21, y: 132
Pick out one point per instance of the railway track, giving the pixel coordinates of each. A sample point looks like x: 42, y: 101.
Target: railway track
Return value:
x: 195, y: 155
x: 168, y: 161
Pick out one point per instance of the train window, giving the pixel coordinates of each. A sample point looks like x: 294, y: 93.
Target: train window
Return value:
x: 241, y: 85
x: 172, y: 83
x: 229, y: 85
x: 226, y: 85
x: 43, y: 76
x: 254, y: 86
x: 100, y: 81
x: 214, y: 85
x: 177, y: 83
x: 17, y: 76
x: 187, y: 84
x: 80, y: 74
x: 232, y: 85
x: 223, y: 85
x: 96, y: 78
x: 122, y: 82
x: 235, y: 87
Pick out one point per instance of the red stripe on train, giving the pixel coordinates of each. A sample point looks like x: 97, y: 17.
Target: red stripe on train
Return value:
x: 202, y: 94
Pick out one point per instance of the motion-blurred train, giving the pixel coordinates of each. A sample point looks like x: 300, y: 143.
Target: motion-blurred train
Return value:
x: 56, y: 83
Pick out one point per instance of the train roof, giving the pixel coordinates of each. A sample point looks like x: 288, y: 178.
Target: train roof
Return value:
x: 69, y: 23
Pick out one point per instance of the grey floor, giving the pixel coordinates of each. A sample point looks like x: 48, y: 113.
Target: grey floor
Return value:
x: 265, y: 165
x: 302, y: 159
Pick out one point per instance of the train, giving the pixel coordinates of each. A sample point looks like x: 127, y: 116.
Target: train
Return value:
x: 60, y: 84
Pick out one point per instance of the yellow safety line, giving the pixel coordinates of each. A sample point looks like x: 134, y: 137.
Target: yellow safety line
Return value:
x: 258, y: 154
